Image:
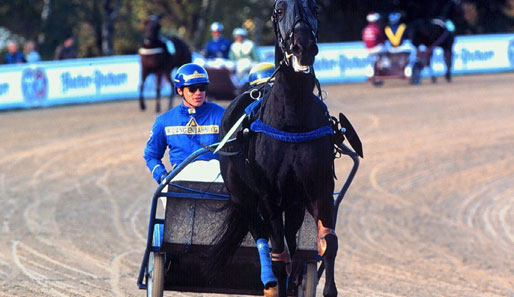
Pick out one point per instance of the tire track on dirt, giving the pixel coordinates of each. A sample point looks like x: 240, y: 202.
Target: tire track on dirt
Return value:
x: 41, y: 229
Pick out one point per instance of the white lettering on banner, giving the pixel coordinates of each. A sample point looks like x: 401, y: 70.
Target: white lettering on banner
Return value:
x: 98, y: 78
x: 353, y: 62
x: 4, y: 88
x: 477, y: 55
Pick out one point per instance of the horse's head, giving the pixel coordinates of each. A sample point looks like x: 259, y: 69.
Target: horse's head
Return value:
x: 152, y: 29
x: 296, y: 31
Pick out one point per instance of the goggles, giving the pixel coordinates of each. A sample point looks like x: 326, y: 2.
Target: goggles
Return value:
x: 193, y: 88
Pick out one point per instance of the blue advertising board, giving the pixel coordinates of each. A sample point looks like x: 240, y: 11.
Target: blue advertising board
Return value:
x: 118, y: 77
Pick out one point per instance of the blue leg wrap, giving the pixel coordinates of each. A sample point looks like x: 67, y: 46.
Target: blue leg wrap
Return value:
x: 267, y: 275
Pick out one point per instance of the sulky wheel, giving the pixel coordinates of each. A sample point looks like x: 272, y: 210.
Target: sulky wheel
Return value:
x: 155, y: 275
x: 310, y: 280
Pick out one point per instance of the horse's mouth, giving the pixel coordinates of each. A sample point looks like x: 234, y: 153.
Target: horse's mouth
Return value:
x: 299, y: 67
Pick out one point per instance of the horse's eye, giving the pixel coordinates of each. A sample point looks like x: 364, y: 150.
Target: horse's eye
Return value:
x: 280, y: 10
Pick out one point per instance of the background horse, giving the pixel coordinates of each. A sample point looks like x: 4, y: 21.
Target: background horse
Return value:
x: 156, y: 58
x: 434, y: 30
x: 271, y: 177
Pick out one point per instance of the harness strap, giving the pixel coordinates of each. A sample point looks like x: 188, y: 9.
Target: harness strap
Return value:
x: 283, y: 257
x: 150, y: 51
x: 260, y: 127
x: 443, y: 36
x: 440, y: 39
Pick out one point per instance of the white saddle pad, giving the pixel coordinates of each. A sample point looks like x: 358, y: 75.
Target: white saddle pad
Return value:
x: 201, y: 171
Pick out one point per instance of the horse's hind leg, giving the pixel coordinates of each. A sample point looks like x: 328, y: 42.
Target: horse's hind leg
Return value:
x: 327, y: 240
x: 327, y: 248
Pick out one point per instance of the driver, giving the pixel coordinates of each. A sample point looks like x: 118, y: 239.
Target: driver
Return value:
x: 395, y: 31
x: 261, y: 73
x: 218, y: 46
x: 372, y: 34
x: 186, y: 127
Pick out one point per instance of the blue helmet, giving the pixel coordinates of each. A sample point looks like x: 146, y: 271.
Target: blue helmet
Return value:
x: 240, y: 31
x: 394, y: 17
x: 190, y: 74
x: 260, y: 73
x: 216, y: 27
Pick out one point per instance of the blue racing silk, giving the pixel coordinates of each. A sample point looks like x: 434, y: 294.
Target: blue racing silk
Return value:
x: 182, y: 130
x: 217, y: 48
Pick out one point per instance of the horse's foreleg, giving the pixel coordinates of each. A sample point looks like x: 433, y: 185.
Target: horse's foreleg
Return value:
x: 172, y: 94
x: 430, y: 53
x: 417, y: 67
x: 257, y: 229
x: 267, y: 277
x: 142, y: 105
x: 158, y: 77
x: 448, y: 60
x: 327, y: 248
x: 281, y: 260
x: 293, y: 221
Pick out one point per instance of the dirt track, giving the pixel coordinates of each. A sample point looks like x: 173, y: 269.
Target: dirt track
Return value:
x: 431, y: 211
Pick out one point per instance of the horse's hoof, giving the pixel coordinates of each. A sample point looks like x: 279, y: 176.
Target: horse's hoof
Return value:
x: 292, y: 292
x: 142, y: 107
x: 331, y: 292
x: 378, y: 83
x: 434, y: 80
x: 271, y: 292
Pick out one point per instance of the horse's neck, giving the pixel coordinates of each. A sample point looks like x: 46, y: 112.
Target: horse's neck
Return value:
x: 151, y: 43
x: 290, y: 101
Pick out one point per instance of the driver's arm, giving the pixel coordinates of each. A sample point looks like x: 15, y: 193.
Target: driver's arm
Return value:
x: 154, y: 151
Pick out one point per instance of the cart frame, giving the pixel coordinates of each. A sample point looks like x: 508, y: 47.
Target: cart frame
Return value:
x: 154, y: 255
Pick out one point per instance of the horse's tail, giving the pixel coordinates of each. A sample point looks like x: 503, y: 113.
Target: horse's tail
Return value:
x: 229, y: 237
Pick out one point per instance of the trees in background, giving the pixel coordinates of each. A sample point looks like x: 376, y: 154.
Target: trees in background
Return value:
x: 107, y: 27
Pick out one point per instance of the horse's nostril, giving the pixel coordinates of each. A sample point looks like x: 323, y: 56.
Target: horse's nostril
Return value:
x: 297, y: 48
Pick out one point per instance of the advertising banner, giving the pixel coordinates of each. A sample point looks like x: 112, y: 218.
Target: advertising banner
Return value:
x: 74, y: 81
x: 118, y: 77
x: 347, y: 62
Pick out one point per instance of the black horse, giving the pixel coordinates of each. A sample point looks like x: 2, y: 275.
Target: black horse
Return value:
x: 433, y: 31
x: 156, y: 58
x: 273, y: 176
